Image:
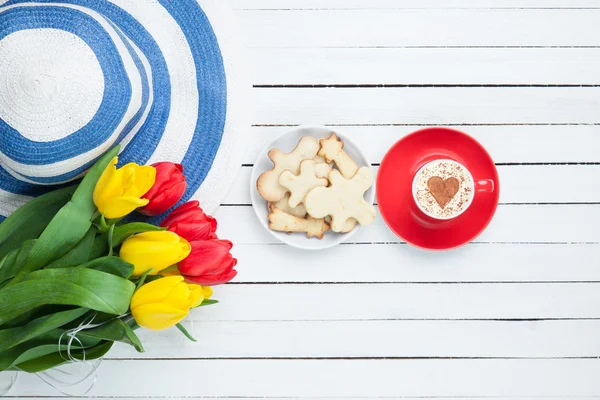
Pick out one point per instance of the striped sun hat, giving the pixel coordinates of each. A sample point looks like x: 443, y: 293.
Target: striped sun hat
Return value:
x: 157, y: 76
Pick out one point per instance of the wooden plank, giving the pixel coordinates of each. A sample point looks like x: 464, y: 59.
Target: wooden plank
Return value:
x: 368, y: 302
x: 402, y: 263
x: 400, y: 339
x: 447, y: 105
x: 318, y: 398
x: 506, y: 144
x: 512, y: 224
x: 421, y: 27
x: 448, y: 66
x: 405, y: 4
x: 518, y: 184
x: 326, y: 398
x: 341, y: 378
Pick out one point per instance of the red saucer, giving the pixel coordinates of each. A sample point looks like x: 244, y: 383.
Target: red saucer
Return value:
x: 394, y: 188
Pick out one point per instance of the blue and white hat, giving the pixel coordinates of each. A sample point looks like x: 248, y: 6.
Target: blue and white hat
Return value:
x: 157, y: 76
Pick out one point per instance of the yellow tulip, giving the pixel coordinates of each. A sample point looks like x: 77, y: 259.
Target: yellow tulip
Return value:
x: 165, y: 302
x: 119, y: 191
x: 154, y: 250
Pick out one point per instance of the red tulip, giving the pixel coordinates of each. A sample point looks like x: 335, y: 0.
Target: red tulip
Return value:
x: 190, y: 222
x: 210, y: 263
x: 167, y: 189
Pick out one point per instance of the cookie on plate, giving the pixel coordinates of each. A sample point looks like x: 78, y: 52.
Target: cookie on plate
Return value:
x: 280, y: 221
x: 343, y: 200
x: 299, y: 185
x: 268, y: 182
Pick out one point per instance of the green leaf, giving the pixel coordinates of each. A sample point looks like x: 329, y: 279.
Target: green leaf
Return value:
x: 120, y: 234
x: 111, y: 265
x: 70, y: 224
x: 82, y: 287
x: 132, y: 323
x: 208, y: 302
x: 78, y: 254
x: 185, y: 332
x: 41, y: 346
x: 11, y: 270
x: 54, y: 360
x: 38, y: 312
x: 100, y: 223
x: 8, y: 265
x: 24, y: 252
x: 123, y: 232
x: 91, y: 317
x: 15, y: 336
x: 142, y: 279
x: 115, y: 330
x: 24, y: 353
x: 31, y: 219
x: 110, y: 233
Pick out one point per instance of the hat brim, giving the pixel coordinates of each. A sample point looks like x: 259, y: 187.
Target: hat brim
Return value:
x: 194, y: 110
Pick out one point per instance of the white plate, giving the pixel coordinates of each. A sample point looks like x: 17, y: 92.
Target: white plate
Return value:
x: 286, y: 143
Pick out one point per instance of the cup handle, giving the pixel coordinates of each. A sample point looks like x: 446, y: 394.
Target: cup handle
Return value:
x: 484, y: 185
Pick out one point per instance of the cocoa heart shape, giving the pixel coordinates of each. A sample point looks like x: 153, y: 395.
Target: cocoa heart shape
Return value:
x: 443, y: 190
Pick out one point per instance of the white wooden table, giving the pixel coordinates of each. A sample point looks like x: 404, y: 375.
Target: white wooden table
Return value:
x: 515, y: 314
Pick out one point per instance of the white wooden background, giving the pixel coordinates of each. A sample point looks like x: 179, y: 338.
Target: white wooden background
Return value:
x: 516, y: 314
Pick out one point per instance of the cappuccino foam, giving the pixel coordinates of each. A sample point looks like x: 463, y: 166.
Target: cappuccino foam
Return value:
x: 444, y: 169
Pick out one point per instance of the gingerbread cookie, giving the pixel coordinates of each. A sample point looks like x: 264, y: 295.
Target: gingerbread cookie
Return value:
x: 268, y: 182
x: 299, y: 185
x: 332, y: 149
x: 283, y: 204
x: 344, y: 199
x: 280, y: 221
x: 323, y: 168
x: 348, y: 226
x: 319, y: 159
x: 333, y: 146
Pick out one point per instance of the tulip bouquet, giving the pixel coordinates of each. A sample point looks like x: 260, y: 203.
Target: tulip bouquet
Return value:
x: 77, y: 273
